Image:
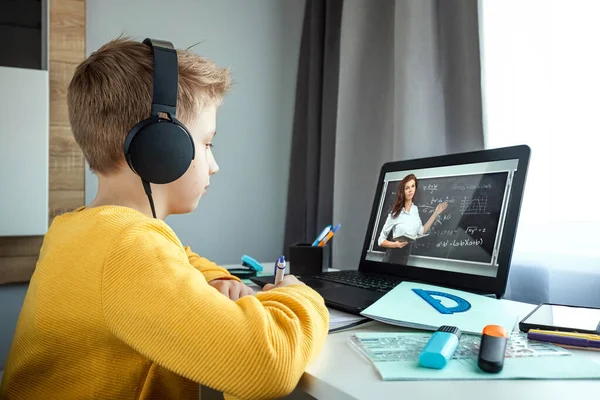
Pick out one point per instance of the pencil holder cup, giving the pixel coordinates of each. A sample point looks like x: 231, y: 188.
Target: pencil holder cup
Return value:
x: 305, y: 259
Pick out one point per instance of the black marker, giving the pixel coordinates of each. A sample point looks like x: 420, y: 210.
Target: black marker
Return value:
x: 492, y: 348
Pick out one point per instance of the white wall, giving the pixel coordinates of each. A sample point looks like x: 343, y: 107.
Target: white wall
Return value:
x: 244, y: 211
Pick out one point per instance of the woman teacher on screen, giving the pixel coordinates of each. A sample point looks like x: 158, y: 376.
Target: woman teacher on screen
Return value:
x: 404, y: 220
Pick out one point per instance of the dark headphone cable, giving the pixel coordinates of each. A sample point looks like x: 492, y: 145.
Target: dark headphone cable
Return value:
x: 148, y: 191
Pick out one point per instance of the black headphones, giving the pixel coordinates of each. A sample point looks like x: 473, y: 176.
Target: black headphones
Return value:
x: 159, y: 150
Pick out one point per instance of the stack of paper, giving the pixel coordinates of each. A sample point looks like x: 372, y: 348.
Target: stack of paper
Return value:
x: 428, y: 307
x: 339, y: 320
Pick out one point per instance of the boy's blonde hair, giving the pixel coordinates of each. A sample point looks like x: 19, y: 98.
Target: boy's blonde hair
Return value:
x: 111, y: 91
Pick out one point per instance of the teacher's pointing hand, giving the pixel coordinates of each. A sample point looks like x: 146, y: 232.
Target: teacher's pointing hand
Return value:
x: 440, y: 208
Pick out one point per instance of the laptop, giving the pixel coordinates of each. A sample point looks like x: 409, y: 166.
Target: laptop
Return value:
x: 458, y: 231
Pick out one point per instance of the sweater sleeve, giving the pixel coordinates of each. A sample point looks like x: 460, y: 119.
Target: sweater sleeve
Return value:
x: 257, y: 347
x: 209, y: 269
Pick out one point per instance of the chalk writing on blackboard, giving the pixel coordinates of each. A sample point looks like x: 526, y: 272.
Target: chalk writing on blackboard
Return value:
x: 450, y: 243
x: 460, y: 243
x: 431, y: 188
x: 472, y: 229
x: 472, y: 187
x: 476, y: 205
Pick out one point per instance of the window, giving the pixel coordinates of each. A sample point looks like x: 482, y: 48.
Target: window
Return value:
x: 541, y: 87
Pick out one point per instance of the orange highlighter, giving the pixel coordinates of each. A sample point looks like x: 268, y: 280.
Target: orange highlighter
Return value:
x: 492, y: 349
x: 329, y: 235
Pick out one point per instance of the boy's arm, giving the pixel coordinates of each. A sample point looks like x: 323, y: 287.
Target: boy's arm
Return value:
x: 256, y: 347
x: 209, y: 269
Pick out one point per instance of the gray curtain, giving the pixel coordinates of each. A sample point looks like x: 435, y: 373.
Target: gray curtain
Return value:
x: 310, y: 190
x: 409, y: 87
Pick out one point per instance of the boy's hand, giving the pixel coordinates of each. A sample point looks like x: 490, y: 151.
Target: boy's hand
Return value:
x: 286, y: 281
x: 232, y: 289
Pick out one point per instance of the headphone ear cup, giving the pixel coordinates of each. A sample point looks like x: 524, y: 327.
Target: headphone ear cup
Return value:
x: 159, y: 152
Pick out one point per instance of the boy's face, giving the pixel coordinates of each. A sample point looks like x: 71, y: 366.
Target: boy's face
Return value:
x: 185, y: 192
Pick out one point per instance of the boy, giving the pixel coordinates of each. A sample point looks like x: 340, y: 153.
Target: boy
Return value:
x: 117, y: 307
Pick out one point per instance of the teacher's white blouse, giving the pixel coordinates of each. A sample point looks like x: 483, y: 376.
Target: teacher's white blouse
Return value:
x: 405, y: 223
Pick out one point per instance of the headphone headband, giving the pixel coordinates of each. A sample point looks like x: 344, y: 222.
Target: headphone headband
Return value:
x: 164, y: 96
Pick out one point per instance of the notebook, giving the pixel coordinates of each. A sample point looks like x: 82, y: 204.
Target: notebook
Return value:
x: 428, y: 307
x: 409, y: 238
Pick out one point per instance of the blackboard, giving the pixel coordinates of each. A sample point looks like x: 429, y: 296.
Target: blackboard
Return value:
x: 467, y: 229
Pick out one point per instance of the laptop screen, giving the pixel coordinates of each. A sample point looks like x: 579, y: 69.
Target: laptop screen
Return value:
x: 446, y: 218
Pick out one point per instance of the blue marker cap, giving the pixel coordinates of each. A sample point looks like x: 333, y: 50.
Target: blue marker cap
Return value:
x: 440, y: 348
x: 279, y: 264
x: 251, y: 263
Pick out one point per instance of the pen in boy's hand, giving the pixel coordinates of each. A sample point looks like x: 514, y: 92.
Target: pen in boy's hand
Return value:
x: 287, y: 280
x: 279, y: 269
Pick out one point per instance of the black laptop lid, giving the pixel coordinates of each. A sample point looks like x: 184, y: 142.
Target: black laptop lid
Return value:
x: 461, y: 221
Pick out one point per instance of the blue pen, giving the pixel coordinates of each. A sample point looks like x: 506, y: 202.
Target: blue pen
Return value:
x: 329, y: 235
x: 279, y: 269
x: 322, y: 235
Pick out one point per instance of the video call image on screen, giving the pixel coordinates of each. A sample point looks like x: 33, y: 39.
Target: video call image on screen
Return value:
x: 446, y: 218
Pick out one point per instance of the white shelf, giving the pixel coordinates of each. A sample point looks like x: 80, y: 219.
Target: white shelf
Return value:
x: 24, y: 148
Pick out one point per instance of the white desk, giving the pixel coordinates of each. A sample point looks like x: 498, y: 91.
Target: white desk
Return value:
x: 340, y: 373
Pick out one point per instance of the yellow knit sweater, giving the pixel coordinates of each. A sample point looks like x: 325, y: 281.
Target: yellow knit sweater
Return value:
x: 118, y: 308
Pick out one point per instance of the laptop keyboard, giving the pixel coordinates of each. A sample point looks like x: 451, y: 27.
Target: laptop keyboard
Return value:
x: 365, y: 281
